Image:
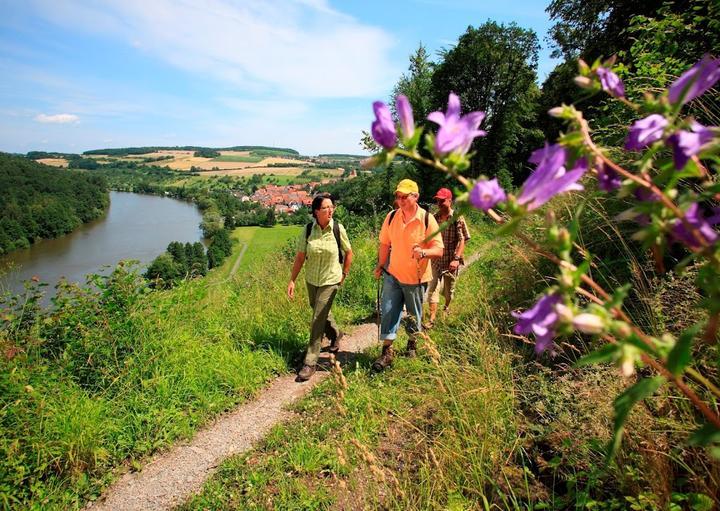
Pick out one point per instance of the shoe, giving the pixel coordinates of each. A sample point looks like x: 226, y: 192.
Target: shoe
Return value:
x: 335, y: 344
x: 385, y: 360
x: 411, y: 351
x: 305, y: 373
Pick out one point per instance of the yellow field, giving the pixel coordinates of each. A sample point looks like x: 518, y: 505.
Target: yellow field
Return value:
x: 54, y: 162
x: 184, y: 160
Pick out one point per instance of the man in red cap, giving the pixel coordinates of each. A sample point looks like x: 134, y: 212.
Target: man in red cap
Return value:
x: 445, y: 268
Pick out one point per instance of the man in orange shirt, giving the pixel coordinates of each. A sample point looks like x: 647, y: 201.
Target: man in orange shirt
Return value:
x: 408, y: 233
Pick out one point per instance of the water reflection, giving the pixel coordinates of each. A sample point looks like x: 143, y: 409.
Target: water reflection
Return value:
x: 135, y: 227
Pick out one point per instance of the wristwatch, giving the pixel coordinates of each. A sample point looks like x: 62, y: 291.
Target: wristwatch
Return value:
x: 457, y: 258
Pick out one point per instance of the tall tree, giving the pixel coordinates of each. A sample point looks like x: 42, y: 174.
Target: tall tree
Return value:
x: 416, y: 84
x: 492, y: 68
x: 595, y: 28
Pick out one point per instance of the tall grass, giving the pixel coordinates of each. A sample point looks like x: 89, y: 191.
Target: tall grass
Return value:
x: 110, y: 375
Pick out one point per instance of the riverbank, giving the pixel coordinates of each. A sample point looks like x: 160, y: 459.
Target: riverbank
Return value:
x: 135, y: 227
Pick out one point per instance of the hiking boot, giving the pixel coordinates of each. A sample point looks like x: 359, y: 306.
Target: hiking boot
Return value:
x: 335, y: 343
x: 385, y: 360
x: 411, y: 350
x: 305, y: 373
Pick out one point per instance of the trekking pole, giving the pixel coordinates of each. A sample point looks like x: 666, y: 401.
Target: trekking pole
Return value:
x: 377, y: 307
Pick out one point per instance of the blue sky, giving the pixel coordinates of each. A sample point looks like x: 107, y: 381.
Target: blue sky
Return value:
x: 84, y: 74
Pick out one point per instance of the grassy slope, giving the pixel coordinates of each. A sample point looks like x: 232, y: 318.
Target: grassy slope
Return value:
x: 129, y: 385
x: 486, y: 427
x: 441, y: 428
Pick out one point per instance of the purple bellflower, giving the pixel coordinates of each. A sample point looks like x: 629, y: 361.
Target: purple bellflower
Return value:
x: 687, y: 144
x: 486, y: 194
x: 645, y: 131
x: 610, y: 82
x: 383, y: 128
x: 695, y: 81
x: 704, y: 226
x: 405, y: 113
x: 608, y: 179
x: 550, y: 177
x: 456, y: 132
x: 540, y: 320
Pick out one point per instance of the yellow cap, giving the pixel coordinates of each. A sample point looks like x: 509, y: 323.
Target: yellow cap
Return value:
x: 407, y: 186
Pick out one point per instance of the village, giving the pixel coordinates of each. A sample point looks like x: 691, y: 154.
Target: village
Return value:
x: 288, y: 198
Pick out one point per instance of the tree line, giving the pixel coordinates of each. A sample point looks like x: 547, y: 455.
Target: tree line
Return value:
x: 41, y: 202
x: 125, y: 151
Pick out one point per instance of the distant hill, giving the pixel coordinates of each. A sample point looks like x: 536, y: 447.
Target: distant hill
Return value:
x: 37, y: 201
x: 125, y: 151
x: 340, y: 156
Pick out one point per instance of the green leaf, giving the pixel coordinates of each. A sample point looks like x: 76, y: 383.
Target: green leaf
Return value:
x: 706, y: 435
x: 625, y: 402
x: 606, y: 353
x: 575, y: 224
x: 681, y: 354
x: 641, y: 345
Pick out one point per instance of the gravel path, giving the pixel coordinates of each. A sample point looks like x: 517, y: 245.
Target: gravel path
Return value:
x: 171, y: 477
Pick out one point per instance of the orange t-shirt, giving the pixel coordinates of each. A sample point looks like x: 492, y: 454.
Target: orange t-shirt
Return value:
x: 402, y: 237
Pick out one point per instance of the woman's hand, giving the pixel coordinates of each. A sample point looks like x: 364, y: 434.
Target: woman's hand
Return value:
x: 291, y: 289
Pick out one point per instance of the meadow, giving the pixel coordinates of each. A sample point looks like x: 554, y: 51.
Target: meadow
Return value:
x: 108, y: 377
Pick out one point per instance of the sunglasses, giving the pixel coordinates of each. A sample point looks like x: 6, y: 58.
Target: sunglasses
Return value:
x: 402, y: 197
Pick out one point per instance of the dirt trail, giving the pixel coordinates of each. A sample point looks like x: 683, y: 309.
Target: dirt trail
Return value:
x: 171, y: 477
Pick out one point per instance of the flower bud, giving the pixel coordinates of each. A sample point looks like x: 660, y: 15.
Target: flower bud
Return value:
x: 558, y: 111
x: 566, y: 281
x: 583, y: 67
x: 550, y: 217
x: 627, y: 360
x: 371, y: 163
x: 622, y: 329
x: 564, y: 312
x: 583, y: 82
x: 627, y: 367
x: 589, y: 323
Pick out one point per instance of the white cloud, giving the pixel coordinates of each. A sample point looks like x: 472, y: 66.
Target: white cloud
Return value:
x: 57, y: 118
x: 297, y: 48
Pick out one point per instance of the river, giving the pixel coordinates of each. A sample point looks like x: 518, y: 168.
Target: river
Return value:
x: 136, y: 226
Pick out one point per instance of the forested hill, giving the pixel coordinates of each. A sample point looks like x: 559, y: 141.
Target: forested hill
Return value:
x: 37, y: 201
x: 124, y: 151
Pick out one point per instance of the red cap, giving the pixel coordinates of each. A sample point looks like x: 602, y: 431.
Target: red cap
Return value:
x: 443, y: 193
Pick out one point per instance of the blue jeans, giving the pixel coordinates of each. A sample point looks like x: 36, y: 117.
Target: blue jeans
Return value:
x: 394, y: 296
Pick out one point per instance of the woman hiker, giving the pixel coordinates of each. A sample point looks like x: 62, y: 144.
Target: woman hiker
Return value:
x: 325, y: 246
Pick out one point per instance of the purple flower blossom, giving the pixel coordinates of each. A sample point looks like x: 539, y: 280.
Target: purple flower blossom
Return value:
x: 404, y: 110
x: 456, y: 132
x: 608, y: 179
x: 695, y: 81
x: 687, y: 144
x: 540, y: 320
x: 485, y: 194
x: 610, y: 82
x: 704, y: 226
x: 645, y: 131
x: 383, y: 128
x: 550, y: 177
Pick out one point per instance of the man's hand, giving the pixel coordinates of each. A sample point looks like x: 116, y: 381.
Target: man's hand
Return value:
x: 291, y: 289
x: 454, y: 265
x: 378, y: 272
x: 418, y: 252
